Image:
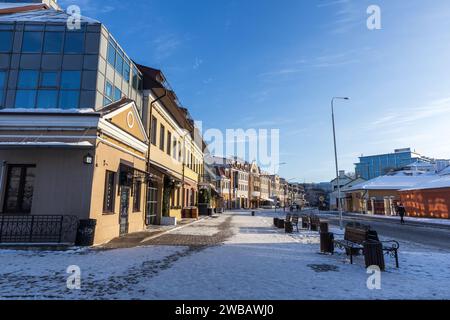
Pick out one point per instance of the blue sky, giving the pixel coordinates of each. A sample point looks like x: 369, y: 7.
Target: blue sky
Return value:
x: 276, y: 64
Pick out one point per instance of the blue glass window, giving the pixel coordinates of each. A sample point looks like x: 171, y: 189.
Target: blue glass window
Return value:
x: 74, y: 42
x: 6, y: 39
x: 119, y: 64
x: 126, y: 71
x: 111, y: 54
x: 53, y: 42
x: 25, y: 99
x: 106, y: 101
x: 2, y: 86
x: 47, y: 99
x: 109, y: 90
x: 28, y: 79
x: 49, y: 79
x: 71, y: 79
x: 32, y: 42
x: 135, y: 79
x: 117, y: 94
x: 69, y: 99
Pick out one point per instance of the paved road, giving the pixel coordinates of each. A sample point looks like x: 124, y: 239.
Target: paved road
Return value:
x: 423, y: 234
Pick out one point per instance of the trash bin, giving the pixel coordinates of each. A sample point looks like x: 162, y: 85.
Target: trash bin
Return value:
x: 373, y: 254
x: 86, y: 233
x: 210, y: 211
x: 326, y: 242
x: 288, y: 227
x: 324, y: 227
x: 275, y: 222
x: 253, y: 213
x: 280, y: 223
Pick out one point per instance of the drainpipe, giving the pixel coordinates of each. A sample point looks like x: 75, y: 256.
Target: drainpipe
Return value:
x: 150, y: 143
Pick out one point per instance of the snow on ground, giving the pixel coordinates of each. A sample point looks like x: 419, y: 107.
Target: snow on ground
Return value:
x: 257, y: 262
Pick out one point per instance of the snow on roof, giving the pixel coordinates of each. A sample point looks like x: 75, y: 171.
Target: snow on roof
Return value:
x: 436, y: 183
x: 53, y: 110
x: 82, y: 144
x: 49, y: 15
x: 445, y: 171
x: 392, y: 182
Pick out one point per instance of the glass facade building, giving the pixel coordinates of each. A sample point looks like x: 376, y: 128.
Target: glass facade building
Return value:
x: 46, y: 65
x: 370, y: 167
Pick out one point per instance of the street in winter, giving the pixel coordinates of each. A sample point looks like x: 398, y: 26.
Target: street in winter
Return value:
x: 231, y: 256
x: 225, y: 158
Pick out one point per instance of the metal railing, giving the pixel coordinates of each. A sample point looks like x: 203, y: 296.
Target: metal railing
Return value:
x: 34, y: 229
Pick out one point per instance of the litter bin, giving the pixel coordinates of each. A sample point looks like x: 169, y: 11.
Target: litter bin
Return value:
x: 373, y: 254
x: 86, y: 233
x: 326, y: 242
x: 305, y: 222
x: 280, y: 223
x: 288, y: 227
x: 275, y: 222
x: 253, y: 213
x: 210, y: 211
x: 324, y: 227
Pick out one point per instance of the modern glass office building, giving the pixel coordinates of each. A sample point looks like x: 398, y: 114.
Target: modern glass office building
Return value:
x: 44, y: 64
x: 370, y: 167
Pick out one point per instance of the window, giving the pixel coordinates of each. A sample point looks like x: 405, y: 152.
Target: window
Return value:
x: 135, y: 79
x: 169, y: 143
x: 109, y: 195
x: 2, y: 86
x: 137, y: 196
x: 28, y: 79
x: 174, y: 148
x: 111, y: 54
x: 19, y: 189
x: 69, y: 99
x: 70, y: 80
x: 53, y: 42
x: 153, y: 130
x: 119, y: 64
x: 32, y: 42
x: 126, y: 71
x: 179, y: 151
x: 162, y: 137
x: 74, y: 42
x: 25, y: 99
x: 47, y: 99
x: 49, y: 79
x: 6, y: 40
x: 117, y: 94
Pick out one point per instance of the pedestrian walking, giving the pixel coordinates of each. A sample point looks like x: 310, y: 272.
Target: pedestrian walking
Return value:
x: 401, y: 212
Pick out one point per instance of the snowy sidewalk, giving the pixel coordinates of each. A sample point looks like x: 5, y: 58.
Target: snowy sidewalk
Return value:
x: 252, y: 260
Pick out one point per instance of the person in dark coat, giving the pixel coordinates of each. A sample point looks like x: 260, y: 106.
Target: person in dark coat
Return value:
x: 401, y: 212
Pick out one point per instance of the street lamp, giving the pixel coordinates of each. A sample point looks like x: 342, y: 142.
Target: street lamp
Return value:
x: 336, y: 159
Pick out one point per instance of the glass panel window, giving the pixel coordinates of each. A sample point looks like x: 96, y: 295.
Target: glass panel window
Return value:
x: 19, y: 189
x: 153, y: 130
x: 126, y: 71
x: 25, y: 99
x: 162, y: 139
x: 119, y: 64
x: 106, y: 101
x: 111, y: 54
x: 74, y: 42
x: 71, y: 79
x: 47, y: 99
x: 53, y: 42
x: 109, y: 90
x: 135, y: 79
x: 28, y: 79
x: 32, y: 42
x: 137, y: 196
x: 169, y: 143
x: 69, y: 99
x: 49, y: 79
x: 117, y: 94
x: 6, y: 39
x: 2, y: 86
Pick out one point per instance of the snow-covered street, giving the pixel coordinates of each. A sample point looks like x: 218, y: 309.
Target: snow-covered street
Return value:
x: 248, y: 259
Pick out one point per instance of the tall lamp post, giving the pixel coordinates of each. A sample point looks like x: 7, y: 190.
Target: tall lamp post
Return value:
x: 336, y: 160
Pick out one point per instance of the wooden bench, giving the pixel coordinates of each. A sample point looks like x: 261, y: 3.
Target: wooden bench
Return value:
x: 357, y: 234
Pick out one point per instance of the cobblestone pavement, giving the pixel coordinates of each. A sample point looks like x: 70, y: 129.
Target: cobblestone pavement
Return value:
x: 209, y: 232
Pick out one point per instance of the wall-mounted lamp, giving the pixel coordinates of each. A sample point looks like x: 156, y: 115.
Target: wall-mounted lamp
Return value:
x: 88, y: 159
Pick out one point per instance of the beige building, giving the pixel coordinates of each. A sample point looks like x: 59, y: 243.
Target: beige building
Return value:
x: 89, y: 165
